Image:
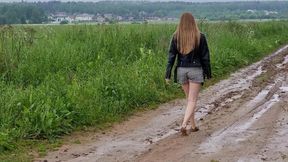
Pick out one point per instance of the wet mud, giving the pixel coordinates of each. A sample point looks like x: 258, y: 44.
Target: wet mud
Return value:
x: 242, y: 118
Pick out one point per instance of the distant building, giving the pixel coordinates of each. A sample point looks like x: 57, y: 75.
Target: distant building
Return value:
x: 251, y: 11
x: 99, y: 18
x: 58, y: 17
x: 119, y: 18
x: 270, y: 12
x: 71, y: 18
x: 84, y: 17
x: 108, y: 16
x: 130, y: 18
x: 154, y: 18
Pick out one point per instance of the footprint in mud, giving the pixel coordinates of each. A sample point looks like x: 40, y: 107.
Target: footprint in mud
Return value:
x: 75, y: 155
x: 164, y: 114
x: 148, y: 140
x: 160, y: 134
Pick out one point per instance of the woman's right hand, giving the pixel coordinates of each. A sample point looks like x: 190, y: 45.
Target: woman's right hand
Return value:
x: 167, y: 81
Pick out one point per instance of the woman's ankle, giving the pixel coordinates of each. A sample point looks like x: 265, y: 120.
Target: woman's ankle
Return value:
x: 184, y: 125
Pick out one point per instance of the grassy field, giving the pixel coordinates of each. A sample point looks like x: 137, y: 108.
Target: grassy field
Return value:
x: 55, y: 79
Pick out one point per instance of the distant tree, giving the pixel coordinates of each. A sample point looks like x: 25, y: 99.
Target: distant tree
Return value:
x: 64, y: 22
x: 2, y: 20
x: 18, y: 13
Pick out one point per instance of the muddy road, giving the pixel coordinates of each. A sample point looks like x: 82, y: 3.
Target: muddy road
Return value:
x: 242, y: 118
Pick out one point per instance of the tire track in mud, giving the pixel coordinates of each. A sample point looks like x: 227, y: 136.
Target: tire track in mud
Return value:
x: 152, y: 136
x: 239, y: 130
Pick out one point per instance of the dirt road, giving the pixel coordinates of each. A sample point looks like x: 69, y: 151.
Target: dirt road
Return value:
x: 242, y: 118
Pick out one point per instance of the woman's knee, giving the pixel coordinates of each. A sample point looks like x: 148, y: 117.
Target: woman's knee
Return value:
x: 185, y: 86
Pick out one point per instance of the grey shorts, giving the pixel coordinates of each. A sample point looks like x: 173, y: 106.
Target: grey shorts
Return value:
x: 192, y: 74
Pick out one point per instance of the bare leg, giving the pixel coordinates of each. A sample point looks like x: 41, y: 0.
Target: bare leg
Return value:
x: 194, y: 89
x: 185, y: 88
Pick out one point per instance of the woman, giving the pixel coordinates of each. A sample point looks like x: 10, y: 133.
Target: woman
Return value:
x: 193, y: 64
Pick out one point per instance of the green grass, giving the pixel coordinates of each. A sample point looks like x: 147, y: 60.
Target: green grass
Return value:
x: 55, y: 79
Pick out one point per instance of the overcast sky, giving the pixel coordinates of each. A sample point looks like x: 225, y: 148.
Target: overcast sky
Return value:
x: 138, y: 0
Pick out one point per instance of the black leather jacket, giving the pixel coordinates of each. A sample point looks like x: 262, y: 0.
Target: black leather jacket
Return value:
x: 199, y: 57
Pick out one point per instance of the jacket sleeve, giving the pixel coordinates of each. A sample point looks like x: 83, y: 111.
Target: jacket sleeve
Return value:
x: 205, y: 57
x: 171, y: 58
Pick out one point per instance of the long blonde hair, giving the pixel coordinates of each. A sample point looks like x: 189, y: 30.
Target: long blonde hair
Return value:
x: 187, y: 34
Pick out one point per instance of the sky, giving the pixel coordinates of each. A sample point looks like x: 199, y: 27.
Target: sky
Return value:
x: 137, y: 0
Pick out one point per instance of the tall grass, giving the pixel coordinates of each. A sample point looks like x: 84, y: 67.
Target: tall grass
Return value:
x: 56, y: 78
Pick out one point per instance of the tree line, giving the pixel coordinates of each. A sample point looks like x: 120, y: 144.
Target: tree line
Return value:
x: 37, y: 12
x: 21, y: 14
x: 212, y: 10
